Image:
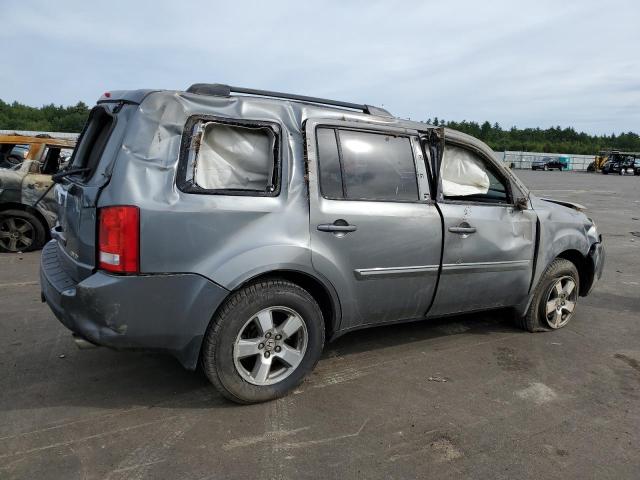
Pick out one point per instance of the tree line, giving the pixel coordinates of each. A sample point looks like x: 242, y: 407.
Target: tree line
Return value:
x: 548, y: 140
x: 52, y: 118
x: 48, y: 118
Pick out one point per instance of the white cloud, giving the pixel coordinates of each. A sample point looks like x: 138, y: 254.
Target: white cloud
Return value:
x: 524, y: 63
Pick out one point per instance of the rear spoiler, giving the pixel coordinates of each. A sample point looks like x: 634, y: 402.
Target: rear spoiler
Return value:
x: 134, y: 97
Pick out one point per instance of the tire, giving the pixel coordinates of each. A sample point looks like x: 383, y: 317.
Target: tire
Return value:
x: 240, y: 378
x: 14, y: 160
x: 21, y: 231
x: 561, y: 272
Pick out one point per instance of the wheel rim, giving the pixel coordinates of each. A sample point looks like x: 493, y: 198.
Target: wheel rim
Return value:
x: 561, y: 302
x: 16, y: 234
x: 270, y: 346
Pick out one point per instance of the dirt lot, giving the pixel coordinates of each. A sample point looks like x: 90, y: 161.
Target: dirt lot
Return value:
x: 514, y: 405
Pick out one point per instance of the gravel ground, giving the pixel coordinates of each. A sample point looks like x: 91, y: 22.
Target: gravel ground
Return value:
x: 470, y: 397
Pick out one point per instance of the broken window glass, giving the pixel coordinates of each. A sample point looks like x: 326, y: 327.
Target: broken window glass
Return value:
x: 465, y: 174
x: 235, y: 157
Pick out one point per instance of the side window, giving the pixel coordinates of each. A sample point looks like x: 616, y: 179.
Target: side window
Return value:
x: 50, y: 162
x: 467, y: 176
x: 329, y: 164
x: 357, y: 165
x: 232, y: 159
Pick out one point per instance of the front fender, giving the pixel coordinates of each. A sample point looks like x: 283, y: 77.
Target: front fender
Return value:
x: 560, y: 230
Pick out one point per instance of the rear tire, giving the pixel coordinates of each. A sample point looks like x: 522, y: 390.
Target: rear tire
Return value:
x: 20, y: 231
x: 554, y: 299
x: 263, y: 341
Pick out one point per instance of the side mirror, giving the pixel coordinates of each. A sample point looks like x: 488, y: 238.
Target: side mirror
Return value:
x: 522, y: 203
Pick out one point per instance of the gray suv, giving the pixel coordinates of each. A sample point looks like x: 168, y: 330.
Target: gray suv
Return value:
x: 239, y: 229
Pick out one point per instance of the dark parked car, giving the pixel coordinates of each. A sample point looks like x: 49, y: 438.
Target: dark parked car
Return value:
x: 27, y: 205
x: 546, y: 163
x: 238, y: 229
x: 622, y: 166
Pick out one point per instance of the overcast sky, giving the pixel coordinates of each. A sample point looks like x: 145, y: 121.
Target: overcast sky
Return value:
x: 534, y: 63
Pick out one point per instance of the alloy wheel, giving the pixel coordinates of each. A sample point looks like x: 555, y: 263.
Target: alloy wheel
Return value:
x: 270, y: 346
x: 561, y: 302
x: 16, y: 234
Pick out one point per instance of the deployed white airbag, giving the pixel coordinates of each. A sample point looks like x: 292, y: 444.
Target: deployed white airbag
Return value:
x: 462, y: 173
x: 235, y: 157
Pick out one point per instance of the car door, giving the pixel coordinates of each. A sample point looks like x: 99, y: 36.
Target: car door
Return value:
x: 488, y: 242
x: 37, y: 182
x: 375, y: 233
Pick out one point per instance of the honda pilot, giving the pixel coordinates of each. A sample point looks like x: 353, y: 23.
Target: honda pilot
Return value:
x: 240, y: 229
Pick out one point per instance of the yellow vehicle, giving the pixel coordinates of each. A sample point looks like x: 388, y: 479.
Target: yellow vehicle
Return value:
x: 27, y: 206
x: 612, y: 158
x: 599, y: 161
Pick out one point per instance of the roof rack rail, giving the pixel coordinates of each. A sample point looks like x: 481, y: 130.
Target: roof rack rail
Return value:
x: 219, y: 89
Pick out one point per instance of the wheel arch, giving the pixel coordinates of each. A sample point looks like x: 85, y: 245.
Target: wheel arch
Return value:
x: 585, y: 275
x: 320, y: 289
x: 584, y: 267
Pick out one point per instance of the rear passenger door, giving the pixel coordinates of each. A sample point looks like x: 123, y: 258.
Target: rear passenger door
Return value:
x: 375, y: 233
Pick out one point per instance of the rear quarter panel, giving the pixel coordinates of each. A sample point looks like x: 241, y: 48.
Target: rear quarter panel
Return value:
x: 226, y: 238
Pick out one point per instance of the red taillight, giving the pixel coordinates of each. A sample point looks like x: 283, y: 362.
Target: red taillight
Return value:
x: 118, y: 239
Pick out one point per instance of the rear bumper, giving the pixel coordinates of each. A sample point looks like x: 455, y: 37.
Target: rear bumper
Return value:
x: 167, y: 312
x: 596, y: 257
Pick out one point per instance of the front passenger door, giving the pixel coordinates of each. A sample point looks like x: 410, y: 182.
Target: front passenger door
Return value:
x: 488, y: 242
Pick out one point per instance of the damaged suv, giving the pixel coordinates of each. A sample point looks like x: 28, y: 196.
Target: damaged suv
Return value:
x: 239, y: 229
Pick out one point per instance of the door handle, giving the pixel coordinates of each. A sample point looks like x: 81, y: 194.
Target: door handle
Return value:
x: 465, y: 230
x: 339, y: 226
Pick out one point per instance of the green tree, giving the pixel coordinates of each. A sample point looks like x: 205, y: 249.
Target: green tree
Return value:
x: 48, y: 118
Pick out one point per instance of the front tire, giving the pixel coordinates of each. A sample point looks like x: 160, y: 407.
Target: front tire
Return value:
x: 554, y: 300
x: 263, y: 341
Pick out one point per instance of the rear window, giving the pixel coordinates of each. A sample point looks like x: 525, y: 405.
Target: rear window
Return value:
x: 93, y: 140
x: 231, y: 158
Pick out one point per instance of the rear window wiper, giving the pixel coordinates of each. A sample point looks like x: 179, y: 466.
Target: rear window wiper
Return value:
x: 56, y: 177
